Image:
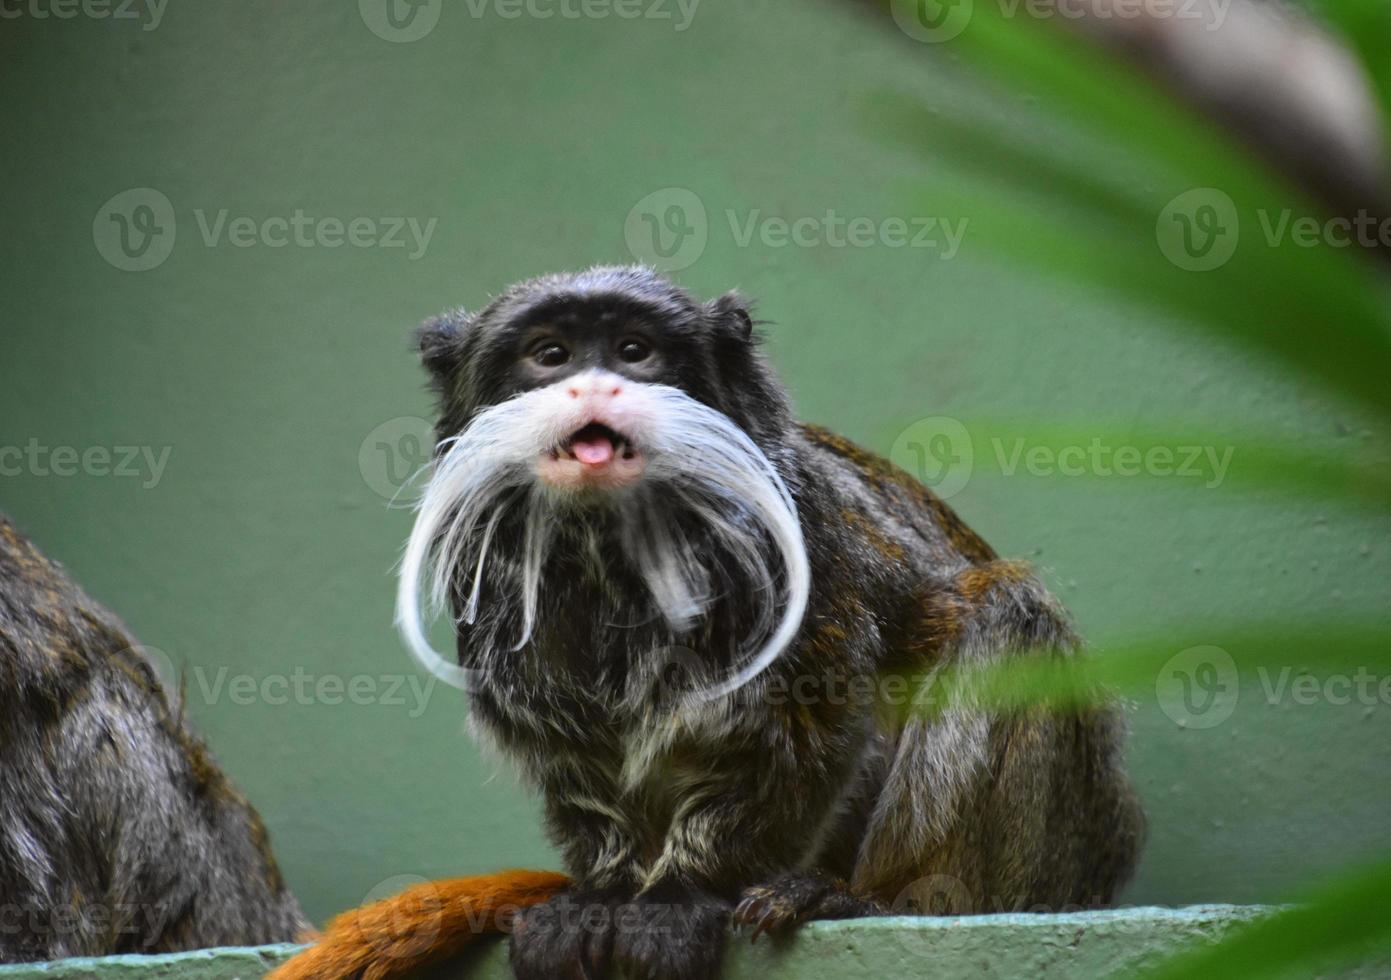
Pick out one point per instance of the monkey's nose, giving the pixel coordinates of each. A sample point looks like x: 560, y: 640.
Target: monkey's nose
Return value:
x: 596, y: 386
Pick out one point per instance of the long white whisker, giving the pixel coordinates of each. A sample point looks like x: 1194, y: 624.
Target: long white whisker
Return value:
x: 538, y: 533
x: 698, y: 462
x: 471, y: 610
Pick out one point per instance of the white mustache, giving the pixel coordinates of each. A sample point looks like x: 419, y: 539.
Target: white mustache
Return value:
x: 694, y: 453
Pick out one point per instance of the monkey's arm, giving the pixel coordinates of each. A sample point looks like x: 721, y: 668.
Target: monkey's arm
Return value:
x: 421, y: 926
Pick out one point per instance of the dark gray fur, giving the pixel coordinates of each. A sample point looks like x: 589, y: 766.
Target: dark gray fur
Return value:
x: 118, y: 833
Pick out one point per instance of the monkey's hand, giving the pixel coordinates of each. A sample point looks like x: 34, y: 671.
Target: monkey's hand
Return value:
x: 671, y: 932
x: 569, y: 937
x: 797, y: 897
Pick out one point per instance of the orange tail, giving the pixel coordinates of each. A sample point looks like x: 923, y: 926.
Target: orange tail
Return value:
x: 421, y: 926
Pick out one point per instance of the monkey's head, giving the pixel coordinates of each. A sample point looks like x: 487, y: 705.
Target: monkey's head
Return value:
x: 607, y: 403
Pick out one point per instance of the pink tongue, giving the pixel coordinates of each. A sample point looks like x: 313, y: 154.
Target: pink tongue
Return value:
x: 593, y: 452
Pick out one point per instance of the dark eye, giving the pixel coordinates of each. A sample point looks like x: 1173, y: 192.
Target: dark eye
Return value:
x: 550, y: 355
x: 633, y: 351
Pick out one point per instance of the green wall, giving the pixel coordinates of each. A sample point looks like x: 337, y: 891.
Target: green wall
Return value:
x: 264, y: 549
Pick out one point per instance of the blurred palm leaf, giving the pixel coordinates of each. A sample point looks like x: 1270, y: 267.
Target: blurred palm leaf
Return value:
x: 1096, y: 223
x: 1266, y: 658
x: 1333, y: 926
x: 1321, y: 311
x: 1354, y: 471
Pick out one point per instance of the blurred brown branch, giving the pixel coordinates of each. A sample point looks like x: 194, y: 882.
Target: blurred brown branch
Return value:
x: 1286, y: 87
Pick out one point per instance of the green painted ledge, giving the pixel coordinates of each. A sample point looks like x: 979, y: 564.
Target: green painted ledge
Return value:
x: 1076, y: 946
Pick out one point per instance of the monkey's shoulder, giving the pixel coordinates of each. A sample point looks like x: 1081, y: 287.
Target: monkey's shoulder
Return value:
x: 55, y: 639
x: 889, y: 507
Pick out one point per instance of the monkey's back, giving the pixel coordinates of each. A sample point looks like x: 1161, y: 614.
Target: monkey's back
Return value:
x: 967, y: 810
x: 118, y: 832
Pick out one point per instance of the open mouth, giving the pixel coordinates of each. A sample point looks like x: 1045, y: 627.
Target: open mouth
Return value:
x: 595, y: 445
x: 593, y: 457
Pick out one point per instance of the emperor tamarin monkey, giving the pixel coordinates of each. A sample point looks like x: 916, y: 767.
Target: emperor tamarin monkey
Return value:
x: 619, y: 486
x: 118, y: 832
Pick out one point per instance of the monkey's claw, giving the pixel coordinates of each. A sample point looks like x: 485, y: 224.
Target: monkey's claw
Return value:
x: 765, y: 910
x: 792, y: 899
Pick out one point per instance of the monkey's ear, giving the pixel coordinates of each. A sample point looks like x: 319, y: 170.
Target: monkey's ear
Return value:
x: 441, y: 340
x: 731, y: 313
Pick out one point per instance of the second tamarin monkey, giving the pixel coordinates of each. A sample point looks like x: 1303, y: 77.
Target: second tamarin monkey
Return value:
x: 119, y: 833
x: 619, y: 489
